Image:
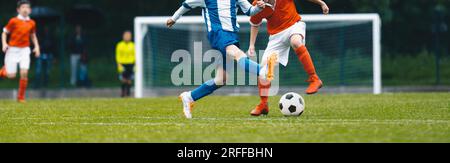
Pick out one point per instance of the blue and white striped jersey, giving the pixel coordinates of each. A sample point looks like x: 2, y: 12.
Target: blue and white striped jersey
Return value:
x: 221, y: 14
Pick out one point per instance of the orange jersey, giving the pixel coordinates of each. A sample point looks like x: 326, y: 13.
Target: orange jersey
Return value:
x: 284, y: 16
x: 20, y: 30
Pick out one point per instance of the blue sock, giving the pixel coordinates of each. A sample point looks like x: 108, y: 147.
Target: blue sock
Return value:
x: 204, y: 90
x: 249, y: 65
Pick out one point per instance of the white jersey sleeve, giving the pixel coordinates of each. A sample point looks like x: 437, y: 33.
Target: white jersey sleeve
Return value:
x: 248, y: 8
x: 186, y: 7
x: 190, y: 4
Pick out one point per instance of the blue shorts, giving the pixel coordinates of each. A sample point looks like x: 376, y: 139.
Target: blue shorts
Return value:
x: 221, y: 39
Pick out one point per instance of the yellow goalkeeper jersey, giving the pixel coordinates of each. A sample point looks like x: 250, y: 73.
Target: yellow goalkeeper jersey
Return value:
x: 125, y: 53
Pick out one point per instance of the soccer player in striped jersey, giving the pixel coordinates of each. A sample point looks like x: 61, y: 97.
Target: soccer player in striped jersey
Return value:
x: 20, y: 29
x: 222, y: 27
x: 286, y: 30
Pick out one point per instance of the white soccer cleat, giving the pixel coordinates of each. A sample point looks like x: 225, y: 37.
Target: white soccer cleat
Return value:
x: 188, y: 104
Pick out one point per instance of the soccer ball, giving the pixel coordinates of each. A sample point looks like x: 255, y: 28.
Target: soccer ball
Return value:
x: 292, y: 104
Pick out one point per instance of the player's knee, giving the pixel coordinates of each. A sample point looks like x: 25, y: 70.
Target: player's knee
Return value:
x: 221, y: 80
x: 23, y: 75
x: 11, y: 76
x: 235, y: 52
x: 296, y: 46
x: 297, y: 41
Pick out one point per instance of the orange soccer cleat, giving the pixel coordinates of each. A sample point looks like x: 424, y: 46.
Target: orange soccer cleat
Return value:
x: 22, y: 101
x: 261, y: 109
x: 3, y: 72
x: 315, y: 85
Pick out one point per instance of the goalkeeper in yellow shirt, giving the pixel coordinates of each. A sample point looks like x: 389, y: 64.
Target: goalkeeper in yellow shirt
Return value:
x: 125, y: 58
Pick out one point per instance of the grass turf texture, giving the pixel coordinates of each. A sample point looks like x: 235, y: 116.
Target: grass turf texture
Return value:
x: 328, y: 118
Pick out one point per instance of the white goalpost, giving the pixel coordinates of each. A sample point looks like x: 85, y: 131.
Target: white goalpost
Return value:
x: 360, y: 46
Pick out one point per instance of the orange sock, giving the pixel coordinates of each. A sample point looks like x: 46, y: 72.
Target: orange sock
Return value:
x: 305, y: 59
x: 264, y: 99
x: 22, y: 88
x: 264, y: 88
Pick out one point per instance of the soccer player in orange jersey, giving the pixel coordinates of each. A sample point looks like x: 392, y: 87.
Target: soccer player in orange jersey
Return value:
x: 286, y: 30
x: 20, y: 30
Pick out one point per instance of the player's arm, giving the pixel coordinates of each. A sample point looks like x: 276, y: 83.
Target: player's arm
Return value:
x: 4, y: 43
x: 254, y: 30
x: 8, y: 28
x: 249, y: 9
x: 255, y: 22
x: 119, y: 65
x: 187, y: 6
x: 37, y: 49
x: 323, y: 5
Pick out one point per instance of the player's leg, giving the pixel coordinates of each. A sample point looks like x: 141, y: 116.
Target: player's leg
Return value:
x: 263, y: 88
x: 279, y: 47
x: 125, y: 89
x: 11, y: 60
x: 228, y: 43
x: 24, y: 64
x: 23, y: 84
x: 298, y: 43
x: 130, y: 79
x: 122, y: 85
x: 3, y: 73
x: 207, y: 88
x: 242, y: 59
x: 128, y: 88
x: 210, y: 86
x: 263, y: 107
x: 266, y: 72
x: 126, y: 80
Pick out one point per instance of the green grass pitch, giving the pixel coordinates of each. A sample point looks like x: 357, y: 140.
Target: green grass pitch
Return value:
x: 328, y: 118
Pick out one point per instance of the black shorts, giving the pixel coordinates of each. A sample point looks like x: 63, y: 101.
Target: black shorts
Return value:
x: 128, y: 73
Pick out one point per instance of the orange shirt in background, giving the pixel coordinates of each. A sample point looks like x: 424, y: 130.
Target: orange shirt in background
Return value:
x: 20, y: 30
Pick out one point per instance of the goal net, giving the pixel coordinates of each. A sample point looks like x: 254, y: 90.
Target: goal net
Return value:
x: 345, y: 48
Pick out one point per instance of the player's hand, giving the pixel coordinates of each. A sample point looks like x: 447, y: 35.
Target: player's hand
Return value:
x: 251, y: 51
x: 261, y: 4
x: 5, y: 48
x: 120, y: 68
x: 325, y: 9
x: 37, y: 52
x: 170, y: 23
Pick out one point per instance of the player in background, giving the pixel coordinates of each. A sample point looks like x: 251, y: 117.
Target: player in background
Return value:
x: 20, y: 29
x: 222, y: 27
x: 125, y: 58
x: 286, y: 30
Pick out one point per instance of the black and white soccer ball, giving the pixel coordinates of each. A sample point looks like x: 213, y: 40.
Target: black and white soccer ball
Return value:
x: 292, y: 104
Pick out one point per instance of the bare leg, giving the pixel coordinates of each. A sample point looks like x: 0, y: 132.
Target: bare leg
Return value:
x: 297, y: 43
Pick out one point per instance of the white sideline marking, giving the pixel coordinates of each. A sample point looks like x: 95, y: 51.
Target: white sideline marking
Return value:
x: 312, y: 121
x: 246, y: 119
